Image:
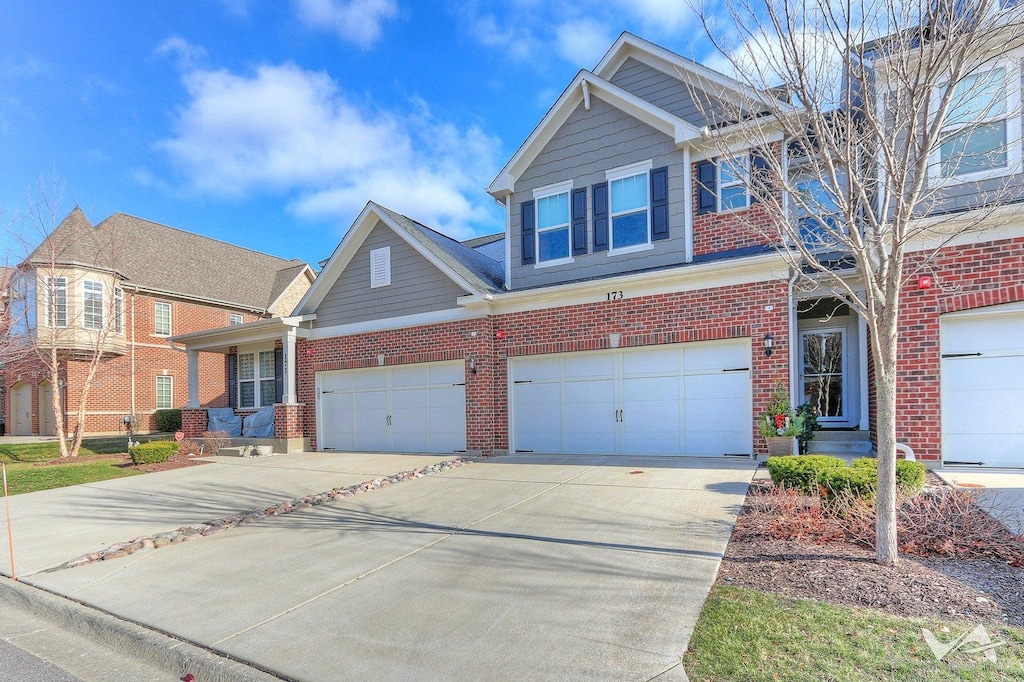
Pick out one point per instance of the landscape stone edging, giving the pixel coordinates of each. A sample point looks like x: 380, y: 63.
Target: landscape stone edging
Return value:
x: 198, y: 530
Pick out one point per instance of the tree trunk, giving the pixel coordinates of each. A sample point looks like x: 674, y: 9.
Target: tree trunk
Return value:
x: 886, y: 551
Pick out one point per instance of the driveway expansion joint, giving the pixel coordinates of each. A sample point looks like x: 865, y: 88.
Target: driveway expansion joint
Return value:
x: 198, y: 530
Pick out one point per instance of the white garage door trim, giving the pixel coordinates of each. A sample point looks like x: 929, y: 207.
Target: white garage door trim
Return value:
x: 681, y: 399
x: 982, y: 362
x: 399, y: 408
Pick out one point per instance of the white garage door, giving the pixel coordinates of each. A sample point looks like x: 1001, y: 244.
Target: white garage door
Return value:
x: 982, y: 389
x: 686, y: 399
x: 406, y: 408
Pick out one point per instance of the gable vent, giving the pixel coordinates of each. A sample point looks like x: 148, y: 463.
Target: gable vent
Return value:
x: 380, y: 267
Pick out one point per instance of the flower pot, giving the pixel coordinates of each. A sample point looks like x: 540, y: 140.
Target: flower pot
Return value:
x: 781, y: 445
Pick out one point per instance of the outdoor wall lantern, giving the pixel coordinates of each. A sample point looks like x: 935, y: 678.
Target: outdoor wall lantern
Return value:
x: 767, y: 345
x: 472, y: 365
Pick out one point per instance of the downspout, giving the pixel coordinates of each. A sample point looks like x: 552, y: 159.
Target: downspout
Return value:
x: 132, y: 353
x: 794, y: 340
x: 508, y: 242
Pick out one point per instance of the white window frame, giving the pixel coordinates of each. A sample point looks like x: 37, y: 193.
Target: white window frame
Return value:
x: 235, y: 319
x: 52, y: 320
x: 640, y: 168
x: 380, y: 267
x: 257, y: 380
x: 743, y: 181
x: 1012, y: 116
x: 86, y: 314
x: 159, y: 305
x: 170, y: 381
x: 565, y: 187
x: 118, y: 310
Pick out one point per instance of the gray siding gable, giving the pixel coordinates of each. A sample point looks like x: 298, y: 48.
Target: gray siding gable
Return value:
x: 663, y: 91
x: 417, y: 285
x: 587, y: 145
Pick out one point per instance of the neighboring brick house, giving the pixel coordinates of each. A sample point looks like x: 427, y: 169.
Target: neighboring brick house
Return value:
x: 630, y: 308
x: 125, y: 286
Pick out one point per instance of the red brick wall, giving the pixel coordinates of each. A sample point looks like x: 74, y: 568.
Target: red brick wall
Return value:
x: 729, y: 312
x: 965, y: 278
x: 110, y: 396
x: 716, y: 232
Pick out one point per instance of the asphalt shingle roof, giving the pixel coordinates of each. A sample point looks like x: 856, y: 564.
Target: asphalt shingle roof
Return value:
x: 166, y: 259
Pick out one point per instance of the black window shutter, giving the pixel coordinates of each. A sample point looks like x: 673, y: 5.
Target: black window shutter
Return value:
x: 579, y: 221
x: 278, y: 375
x: 527, y: 224
x: 760, y: 176
x: 232, y: 387
x: 659, y: 203
x: 706, y: 189
x: 599, y: 197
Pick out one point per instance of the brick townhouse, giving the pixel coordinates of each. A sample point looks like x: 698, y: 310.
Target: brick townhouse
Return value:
x: 122, y: 288
x: 629, y: 307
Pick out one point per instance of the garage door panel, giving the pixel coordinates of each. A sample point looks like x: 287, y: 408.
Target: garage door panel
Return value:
x: 982, y: 418
x: 649, y: 404
x: 588, y: 424
x: 394, y: 408
x: 651, y: 361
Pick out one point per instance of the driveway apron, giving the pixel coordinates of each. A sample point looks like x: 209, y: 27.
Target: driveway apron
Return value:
x: 513, y: 567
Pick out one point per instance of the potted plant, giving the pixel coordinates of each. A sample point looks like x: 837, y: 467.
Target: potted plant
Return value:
x: 780, y: 425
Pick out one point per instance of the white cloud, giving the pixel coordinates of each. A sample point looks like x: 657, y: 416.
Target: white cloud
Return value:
x: 583, y: 41
x: 186, y: 55
x: 356, y: 21
x: 662, y: 16
x: 291, y: 131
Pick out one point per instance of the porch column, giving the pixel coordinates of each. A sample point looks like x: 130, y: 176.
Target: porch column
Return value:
x: 289, y: 395
x: 193, y: 378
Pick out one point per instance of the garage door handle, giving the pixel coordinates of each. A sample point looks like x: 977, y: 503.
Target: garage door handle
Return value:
x: 737, y: 369
x: 961, y: 355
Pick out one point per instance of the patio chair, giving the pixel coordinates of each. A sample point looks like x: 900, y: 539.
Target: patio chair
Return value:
x: 259, y: 424
x: 224, y: 419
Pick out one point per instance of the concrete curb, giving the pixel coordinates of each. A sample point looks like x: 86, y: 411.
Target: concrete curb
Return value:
x: 174, y: 655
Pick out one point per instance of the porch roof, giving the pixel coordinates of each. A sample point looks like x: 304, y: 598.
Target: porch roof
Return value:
x: 222, y: 339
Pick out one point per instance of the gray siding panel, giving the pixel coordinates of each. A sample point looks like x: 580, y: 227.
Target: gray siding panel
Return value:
x: 417, y: 286
x: 589, y: 144
x: 664, y: 91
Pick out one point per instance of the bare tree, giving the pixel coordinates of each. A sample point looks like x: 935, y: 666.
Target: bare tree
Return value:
x: 866, y: 114
x: 65, y: 304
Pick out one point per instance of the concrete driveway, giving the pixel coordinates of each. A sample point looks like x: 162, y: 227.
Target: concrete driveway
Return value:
x: 510, y: 568
x: 1002, y: 492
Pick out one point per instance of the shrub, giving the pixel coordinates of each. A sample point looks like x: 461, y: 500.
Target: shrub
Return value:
x: 189, y: 448
x: 841, y: 483
x: 801, y: 472
x: 168, y: 421
x: 154, y: 452
x: 214, y: 441
x: 909, y: 474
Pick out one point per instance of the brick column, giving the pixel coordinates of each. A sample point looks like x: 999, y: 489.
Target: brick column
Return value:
x: 288, y: 420
x: 193, y: 421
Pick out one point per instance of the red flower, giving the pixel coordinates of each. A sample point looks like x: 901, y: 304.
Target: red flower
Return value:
x: 780, y: 421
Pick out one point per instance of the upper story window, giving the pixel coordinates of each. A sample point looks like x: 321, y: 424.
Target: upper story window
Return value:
x: 380, y: 267
x: 553, y: 222
x: 92, y: 305
x: 816, y: 211
x: 235, y: 318
x: 57, y: 301
x: 118, y: 310
x: 981, y: 133
x: 162, y: 318
x: 629, y: 196
x: 733, y: 180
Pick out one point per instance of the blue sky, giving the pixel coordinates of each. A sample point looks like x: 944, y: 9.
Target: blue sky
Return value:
x: 270, y: 124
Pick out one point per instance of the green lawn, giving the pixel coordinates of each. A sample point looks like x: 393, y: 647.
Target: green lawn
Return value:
x: 750, y: 635
x: 25, y: 478
x: 90, y: 466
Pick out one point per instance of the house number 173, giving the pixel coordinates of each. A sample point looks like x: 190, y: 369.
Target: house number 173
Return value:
x: 614, y: 296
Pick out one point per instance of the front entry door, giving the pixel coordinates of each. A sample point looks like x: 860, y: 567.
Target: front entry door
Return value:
x: 824, y: 374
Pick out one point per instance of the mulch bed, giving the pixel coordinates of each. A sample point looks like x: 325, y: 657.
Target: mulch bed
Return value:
x: 841, y: 572
x: 126, y: 462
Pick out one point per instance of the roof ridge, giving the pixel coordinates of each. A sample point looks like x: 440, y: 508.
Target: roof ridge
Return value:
x: 196, y: 234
